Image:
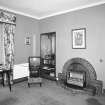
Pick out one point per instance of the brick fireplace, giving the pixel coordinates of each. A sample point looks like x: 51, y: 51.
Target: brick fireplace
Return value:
x: 79, y: 72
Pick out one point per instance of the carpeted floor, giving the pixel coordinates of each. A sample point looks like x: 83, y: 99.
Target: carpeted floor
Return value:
x: 49, y: 94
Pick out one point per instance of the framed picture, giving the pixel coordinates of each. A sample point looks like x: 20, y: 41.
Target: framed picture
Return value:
x: 79, y: 38
x: 27, y: 41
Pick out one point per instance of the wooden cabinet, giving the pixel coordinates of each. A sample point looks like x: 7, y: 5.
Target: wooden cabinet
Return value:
x: 48, y: 55
x: 48, y: 69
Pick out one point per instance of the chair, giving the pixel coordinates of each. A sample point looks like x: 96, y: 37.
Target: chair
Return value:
x: 34, y: 70
x: 7, y: 72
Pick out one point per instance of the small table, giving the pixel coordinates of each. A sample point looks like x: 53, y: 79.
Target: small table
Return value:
x: 7, y: 72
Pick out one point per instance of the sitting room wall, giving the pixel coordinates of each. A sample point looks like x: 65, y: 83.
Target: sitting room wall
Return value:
x: 93, y: 19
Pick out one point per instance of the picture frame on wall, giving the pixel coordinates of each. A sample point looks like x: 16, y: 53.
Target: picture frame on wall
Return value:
x: 27, y: 41
x: 79, y: 38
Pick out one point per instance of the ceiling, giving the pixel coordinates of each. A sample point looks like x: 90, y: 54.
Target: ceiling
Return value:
x: 40, y: 9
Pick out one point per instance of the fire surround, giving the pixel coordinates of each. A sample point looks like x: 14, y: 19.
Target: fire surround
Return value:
x: 80, y: 64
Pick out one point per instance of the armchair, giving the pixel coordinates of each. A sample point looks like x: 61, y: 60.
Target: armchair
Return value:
x: 34, y: 70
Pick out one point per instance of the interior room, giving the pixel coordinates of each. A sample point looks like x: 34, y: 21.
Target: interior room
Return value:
x: 57, y: 44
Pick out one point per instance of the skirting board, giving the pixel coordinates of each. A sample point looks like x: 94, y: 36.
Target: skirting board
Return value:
x: 20, y: 80
x: 17, y: 80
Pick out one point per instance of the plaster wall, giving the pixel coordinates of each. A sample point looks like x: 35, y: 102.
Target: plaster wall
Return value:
x: 26, y: 27
x: 93, y: 19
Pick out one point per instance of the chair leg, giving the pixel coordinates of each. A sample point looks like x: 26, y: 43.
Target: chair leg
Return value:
x: 9, y: 81
x: 28, y: 85
x: 3, y: 79
x: 40, y: 84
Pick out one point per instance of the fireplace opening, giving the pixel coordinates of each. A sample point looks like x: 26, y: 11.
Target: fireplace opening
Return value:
x: 76, y: 79
x: 80, y: 74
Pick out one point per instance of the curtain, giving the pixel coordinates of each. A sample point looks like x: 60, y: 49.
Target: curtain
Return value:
x: 8, y: 46
x: 7, y: 31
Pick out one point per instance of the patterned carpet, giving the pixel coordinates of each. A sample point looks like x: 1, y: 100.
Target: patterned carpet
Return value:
x: 92, y: 101
x: 9, y: 101
x: 49, y: 94
x: 45, y: 100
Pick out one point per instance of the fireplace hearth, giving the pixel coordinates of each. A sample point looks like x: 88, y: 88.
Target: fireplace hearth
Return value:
x: 79, y: 73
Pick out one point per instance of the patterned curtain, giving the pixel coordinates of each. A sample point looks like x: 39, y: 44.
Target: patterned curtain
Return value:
x: 8, y: 40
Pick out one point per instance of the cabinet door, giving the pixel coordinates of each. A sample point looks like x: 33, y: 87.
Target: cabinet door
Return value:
x: 45, y: 46
x: 48, y: 47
